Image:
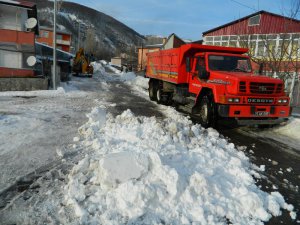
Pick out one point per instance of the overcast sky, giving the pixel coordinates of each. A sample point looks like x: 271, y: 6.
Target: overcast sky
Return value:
x: 187, y: 18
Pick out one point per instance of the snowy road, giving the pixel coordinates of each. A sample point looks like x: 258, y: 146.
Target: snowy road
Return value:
x: 280, y: 162
x: 41, y: 150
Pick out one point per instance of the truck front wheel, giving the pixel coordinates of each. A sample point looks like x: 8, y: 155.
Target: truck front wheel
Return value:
x: 152, y: 90
x: 207, y: 112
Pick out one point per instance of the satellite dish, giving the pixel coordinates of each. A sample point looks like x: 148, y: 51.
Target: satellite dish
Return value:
x: 31, y: 61
x: 30, y: 23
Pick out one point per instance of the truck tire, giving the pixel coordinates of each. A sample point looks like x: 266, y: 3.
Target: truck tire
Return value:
x: 207, y: 112
x: 152, y: 90
x: 159, y: 96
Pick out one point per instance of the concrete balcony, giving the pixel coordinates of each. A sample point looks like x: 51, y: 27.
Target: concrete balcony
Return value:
x: 19, y: 37
x: 63, y: 42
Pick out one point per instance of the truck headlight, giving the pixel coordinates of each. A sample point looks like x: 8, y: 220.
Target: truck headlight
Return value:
x: 235, y: 100
x: 282, y: 101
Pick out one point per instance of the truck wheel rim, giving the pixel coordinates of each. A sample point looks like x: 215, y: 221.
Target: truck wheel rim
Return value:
x: 158, y: 95
x: 204, y: 113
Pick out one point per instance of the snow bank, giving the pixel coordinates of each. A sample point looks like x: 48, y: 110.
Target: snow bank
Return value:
x: 113, y: 69
x: 98, y: 67
x: 50, y: 93
x: 291, y: 129
x: 145, y: 171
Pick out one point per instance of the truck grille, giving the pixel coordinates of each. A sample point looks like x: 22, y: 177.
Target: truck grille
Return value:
x: 279, y: 89
x: 262, y: 88
x: 242, y: 86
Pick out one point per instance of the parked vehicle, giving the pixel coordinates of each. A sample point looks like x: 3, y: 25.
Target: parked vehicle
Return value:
x: 212, y: 82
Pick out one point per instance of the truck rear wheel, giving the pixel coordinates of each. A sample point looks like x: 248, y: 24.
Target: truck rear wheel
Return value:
x: 207, y: 112
x: 152, y: 90
x: 159, y: 97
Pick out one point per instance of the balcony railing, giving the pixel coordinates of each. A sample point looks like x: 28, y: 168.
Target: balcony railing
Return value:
x: 63, y: 42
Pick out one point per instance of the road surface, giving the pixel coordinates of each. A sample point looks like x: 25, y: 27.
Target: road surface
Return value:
x: 282, y: 170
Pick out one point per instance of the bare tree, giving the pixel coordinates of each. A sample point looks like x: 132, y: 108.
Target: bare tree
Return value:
x: 90, y: 42
x: 277, y: 54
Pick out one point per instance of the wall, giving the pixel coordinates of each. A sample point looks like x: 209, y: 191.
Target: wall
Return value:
x: 142, y: 57
x: 23, y: 84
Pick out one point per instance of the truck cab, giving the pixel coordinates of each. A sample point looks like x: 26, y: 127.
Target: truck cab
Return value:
x: 214, y: 82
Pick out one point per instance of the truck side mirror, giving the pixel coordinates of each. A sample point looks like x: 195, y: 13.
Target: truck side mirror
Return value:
x: 188, y: 65
x: 203, y: 74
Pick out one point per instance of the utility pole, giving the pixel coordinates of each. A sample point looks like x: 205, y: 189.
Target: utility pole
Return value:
x: 78, y: 44
x: 54, y: 47
x: 292, y: 87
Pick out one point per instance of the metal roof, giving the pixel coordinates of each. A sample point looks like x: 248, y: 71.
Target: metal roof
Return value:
x: 246, y: 17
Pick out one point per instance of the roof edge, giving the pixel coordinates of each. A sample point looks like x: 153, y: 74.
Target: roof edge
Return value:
x: 246, y: 17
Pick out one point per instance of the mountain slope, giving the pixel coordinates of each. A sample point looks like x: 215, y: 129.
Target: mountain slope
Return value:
x: 99, y: 33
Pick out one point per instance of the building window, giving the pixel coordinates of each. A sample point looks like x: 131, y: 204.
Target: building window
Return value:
x: 45, y: 34
x: 254, y: 20
x: 59, y: 37
x: 9, y: 59
x: 209, y: 38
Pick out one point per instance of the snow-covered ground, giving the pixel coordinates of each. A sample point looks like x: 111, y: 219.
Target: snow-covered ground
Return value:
x: 148, y: 170
x: 145, y: 171
x: 287, y: 133
x: 35, y: 126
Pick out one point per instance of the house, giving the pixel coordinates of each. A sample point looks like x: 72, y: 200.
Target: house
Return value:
x: 18, y: 28
x: 173, y: 41
x: 269, y: 37
x: 118, y: 61
x: 142, y: 54
x: 63, y: 38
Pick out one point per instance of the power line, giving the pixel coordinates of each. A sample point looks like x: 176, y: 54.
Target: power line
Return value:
x: 242, y: 4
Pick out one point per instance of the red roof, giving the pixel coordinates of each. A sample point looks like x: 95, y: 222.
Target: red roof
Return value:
x: 19, y: 3
x: 270, y: 23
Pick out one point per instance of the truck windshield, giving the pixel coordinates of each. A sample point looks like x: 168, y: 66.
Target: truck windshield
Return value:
x: 229, y: 63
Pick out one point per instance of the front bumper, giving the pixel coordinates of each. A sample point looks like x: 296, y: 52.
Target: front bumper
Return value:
x: 256, y: 112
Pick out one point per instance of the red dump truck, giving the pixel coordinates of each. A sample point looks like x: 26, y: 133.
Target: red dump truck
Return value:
x: 212, y: 82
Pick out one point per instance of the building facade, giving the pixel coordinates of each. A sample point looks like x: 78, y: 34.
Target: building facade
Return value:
x: 63, y: 39
x: 173, y: 41
x: 273, y: 42
x: 18, y: 28
x: 269, y: 37
x: 142, y: 54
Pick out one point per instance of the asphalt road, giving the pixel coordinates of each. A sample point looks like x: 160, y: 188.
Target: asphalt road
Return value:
x: 282, y: 167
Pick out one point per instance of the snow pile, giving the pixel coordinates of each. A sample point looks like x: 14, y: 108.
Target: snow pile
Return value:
x: 113, y: 69
x: 43, y: 93
x: 145, y: 171
x: 139, y: 84
x: 291, y: 129
x: 98, y: 67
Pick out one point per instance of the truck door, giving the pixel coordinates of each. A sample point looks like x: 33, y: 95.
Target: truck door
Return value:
x: 197, y: 74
